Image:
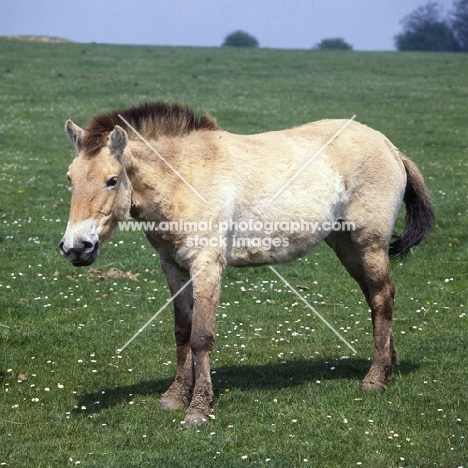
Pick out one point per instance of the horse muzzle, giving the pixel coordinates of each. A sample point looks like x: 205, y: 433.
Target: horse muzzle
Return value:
x: 82, y: 253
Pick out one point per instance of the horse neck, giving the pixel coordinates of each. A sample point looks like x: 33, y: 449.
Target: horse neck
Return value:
x: 151, y: 180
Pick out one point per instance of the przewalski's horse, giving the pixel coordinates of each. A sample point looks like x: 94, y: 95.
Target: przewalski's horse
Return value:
x: 189, y: 170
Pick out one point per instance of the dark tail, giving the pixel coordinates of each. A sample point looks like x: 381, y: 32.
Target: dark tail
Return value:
x: 420, y: 213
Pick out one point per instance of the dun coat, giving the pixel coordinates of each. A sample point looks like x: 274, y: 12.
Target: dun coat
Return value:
x: 163, y: 164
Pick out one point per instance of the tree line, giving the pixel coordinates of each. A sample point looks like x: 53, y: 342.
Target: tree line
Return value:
x: 425, y: 29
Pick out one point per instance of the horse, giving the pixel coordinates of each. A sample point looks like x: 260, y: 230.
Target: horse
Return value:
x: 197, y: 190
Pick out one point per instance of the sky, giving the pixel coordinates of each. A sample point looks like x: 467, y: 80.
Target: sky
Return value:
x: 281, y: 24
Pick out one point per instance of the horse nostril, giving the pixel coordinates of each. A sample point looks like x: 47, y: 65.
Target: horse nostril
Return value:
x: 87, y: 245
x: 61, y: 246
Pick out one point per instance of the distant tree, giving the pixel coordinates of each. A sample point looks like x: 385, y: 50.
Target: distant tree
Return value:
x: 335, y: 43
x: 424, y: 29
x: 430, y: 13
x: 460, y: 23
x: 240, y: 39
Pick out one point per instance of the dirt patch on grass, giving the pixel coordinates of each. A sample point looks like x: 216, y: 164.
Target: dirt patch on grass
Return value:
x: 112, y: 273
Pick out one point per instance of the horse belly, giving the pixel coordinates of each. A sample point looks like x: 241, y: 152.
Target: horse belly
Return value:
x: 298, y: 220
x: 254, y: 248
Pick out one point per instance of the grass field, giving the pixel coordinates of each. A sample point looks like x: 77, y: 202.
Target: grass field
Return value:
x: 288, y: 392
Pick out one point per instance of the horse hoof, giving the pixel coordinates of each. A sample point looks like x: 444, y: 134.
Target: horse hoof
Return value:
x: 170, y: 404
x: 196, y: 419
x: 374, y: 387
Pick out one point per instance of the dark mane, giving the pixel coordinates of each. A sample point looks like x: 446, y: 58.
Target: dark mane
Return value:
x: 151, y: 120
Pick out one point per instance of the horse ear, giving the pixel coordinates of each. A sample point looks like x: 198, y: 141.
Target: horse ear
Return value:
x: 117, y: 140
x: 74, y: 133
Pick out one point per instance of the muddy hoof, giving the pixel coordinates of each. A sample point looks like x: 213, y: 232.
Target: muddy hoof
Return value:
x: 374, y: 387
x: 167, y: 404
x: 196, y: 419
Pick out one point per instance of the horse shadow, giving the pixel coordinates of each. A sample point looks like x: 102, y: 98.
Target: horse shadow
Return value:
x: 270, y: 376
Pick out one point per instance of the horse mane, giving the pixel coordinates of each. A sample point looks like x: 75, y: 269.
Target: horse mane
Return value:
x: 151, y: 120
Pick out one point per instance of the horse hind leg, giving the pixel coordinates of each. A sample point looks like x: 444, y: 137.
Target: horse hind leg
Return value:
x: 381, y: 300
x: 369, y: 266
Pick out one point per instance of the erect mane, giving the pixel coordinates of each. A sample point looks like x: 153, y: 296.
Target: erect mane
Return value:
x: 151, y: 120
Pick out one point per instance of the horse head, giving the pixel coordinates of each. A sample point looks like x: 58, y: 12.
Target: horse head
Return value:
x: 101, y: 193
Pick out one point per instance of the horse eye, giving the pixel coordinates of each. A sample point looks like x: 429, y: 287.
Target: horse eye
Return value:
x: 112, y: 182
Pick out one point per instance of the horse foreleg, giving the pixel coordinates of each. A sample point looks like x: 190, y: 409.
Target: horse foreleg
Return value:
x: 178, y: 394
x: 206, y: 293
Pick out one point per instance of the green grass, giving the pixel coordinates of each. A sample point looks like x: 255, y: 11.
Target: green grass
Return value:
x: 287, y: 390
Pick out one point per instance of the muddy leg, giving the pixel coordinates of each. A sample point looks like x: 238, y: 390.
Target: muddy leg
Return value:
x: 381, y: 299
x: 369, y: 266
x: 178, y: 394
x: 206, y: 288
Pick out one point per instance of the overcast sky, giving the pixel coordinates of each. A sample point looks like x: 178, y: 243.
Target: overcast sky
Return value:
x: 288, y: 24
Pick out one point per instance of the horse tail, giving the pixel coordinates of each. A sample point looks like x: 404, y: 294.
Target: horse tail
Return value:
x: 420, y: 213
